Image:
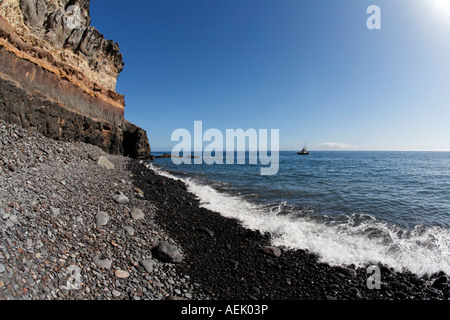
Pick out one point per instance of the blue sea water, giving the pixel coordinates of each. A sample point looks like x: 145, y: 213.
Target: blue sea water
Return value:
x: 347, y: 207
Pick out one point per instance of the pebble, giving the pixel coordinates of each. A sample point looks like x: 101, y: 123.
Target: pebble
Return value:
x: 55, y: 211
x: 121, y: 274
x: 347, y: 271
x: 168, y: 253
x: 137, y: 214
x: 233, y: 263
x: 121, y: 198
x: 137, y: 190
x: 256, y: 290
x: 440, y: 282
x: 102, y: 218
x: 9, y: 224
x: 356, y: 293
x: 116, y: 293
x: 148, y: 265
x: 272, y: 251
x: 129, y: 230
x: 171, y: 297
x: 207, y: 231
x: 13, y: 218
x: 105, y: 163
x: 102, y: 262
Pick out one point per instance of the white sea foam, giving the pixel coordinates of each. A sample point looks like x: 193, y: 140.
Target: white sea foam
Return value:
x: 358, y: 239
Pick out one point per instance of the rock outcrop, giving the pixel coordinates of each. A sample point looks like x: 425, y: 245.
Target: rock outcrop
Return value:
x: 58, y: 76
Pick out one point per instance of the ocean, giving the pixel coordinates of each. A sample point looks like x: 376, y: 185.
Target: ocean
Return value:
x: 347, y: 207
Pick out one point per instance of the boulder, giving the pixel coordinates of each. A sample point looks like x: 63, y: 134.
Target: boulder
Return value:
x: 168, y: 253
x: 137, y: 214
x: 148, y: 265
x: 102, y: 262
x: 129, y: 230
x: 102, y: 218
x: 440, y: 282
x: 207, y: 231
x: 105, y: 163
x: 272, y: 251
x: 121, y: 198
x: 346, y: 271
x: 122, y: 274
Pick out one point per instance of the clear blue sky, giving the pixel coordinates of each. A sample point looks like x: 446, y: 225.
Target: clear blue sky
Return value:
x: 311, y: 69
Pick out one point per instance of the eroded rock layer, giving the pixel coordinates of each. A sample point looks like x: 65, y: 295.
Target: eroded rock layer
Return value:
x: 58, y: 76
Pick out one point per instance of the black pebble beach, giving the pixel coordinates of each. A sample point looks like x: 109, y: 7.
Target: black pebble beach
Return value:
x: 128, y: 233
x: 229, y: 261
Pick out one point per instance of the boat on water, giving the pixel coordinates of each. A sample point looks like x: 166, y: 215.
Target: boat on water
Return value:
x: 304, y: 151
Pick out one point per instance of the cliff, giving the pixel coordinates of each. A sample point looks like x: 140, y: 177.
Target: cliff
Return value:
x: 58, y: 76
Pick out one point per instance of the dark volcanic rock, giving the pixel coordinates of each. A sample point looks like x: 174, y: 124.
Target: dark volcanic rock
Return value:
x: 135, y: 142
x: 34, y: 112
x: 58, y: 76
x: 272, y: 251
x: 168, y: 253
x: 440, y: 282
x: 346, y: 271
x: 207, y: 231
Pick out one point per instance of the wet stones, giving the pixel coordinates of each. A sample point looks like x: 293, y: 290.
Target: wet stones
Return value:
x: 206, y: 231
x: 355, y: 293
x: 440, y: 282
x: 272, y: 251
x: 346, y: 271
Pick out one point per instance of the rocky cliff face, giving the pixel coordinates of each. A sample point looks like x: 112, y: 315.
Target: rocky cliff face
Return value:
x: 58, y: 76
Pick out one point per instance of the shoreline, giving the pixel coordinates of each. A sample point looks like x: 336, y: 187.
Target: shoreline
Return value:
x: 230, y: 262
x: 59, y: 212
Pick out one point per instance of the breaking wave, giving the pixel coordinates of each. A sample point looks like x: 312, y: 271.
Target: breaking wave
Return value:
x: 358, y: 239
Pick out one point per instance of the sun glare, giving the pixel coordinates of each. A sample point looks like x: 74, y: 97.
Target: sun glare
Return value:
x: 442, y: 5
